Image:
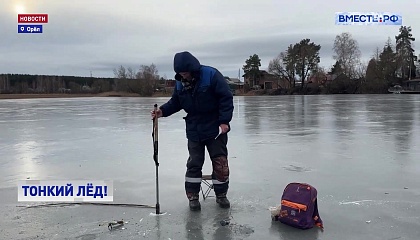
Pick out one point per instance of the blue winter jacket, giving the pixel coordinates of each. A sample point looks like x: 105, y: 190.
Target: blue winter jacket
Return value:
x: 208, y: 104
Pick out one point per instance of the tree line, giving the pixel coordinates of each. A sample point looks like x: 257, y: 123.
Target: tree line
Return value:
x: 145, y: 81
x: 298, y: 65
x: 43, y: 84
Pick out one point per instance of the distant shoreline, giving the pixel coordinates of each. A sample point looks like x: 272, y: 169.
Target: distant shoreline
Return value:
x: 81, y: 95
x: 113, y: 94
x: 26, y: 96
x: 76, y: 95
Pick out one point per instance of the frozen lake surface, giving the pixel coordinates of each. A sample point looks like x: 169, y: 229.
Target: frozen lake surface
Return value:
x: 360, y: 151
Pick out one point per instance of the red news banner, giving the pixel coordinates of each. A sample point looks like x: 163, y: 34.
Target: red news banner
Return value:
x: 32, y: 18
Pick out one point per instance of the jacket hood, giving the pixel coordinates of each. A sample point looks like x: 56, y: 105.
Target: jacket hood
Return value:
x: 186, y: 62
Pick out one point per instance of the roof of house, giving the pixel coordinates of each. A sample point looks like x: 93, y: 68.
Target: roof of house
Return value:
x: 413, y: 80
x: 262, y: 72
x: 233, y: 80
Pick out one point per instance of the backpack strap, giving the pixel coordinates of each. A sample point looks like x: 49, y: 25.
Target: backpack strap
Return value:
x: 317, y: 218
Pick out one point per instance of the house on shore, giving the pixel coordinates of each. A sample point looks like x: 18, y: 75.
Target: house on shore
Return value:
x: 265, y: 80
x: 412, y: 85
x: 324, y: 78
x: 235, y: 84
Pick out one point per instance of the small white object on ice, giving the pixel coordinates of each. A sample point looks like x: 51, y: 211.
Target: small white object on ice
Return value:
x: 141, y: 219
x: 368, y: 221
x: 275, y: 211
x: 355, y: 202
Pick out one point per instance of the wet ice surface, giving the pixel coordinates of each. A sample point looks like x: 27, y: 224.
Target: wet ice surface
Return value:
x: 360, y: 151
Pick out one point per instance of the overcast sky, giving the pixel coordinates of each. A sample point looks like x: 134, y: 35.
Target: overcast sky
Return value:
x: 100, y: 35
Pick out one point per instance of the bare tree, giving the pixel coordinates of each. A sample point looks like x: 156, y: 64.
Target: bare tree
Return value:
x: 347, y: 52
x: 120, y: 75
x: 143, y: 82
x: 131, y: 74
x: 360, y: 70
x: 147, y: 80
x: 282, y: 69
x: 148, y: 72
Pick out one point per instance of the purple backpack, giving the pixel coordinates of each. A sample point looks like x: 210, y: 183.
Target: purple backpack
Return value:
x: 299, y: 207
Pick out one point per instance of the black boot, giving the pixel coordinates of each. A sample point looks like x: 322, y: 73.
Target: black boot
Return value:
x: 222, y: 200
x: 194, y: 201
